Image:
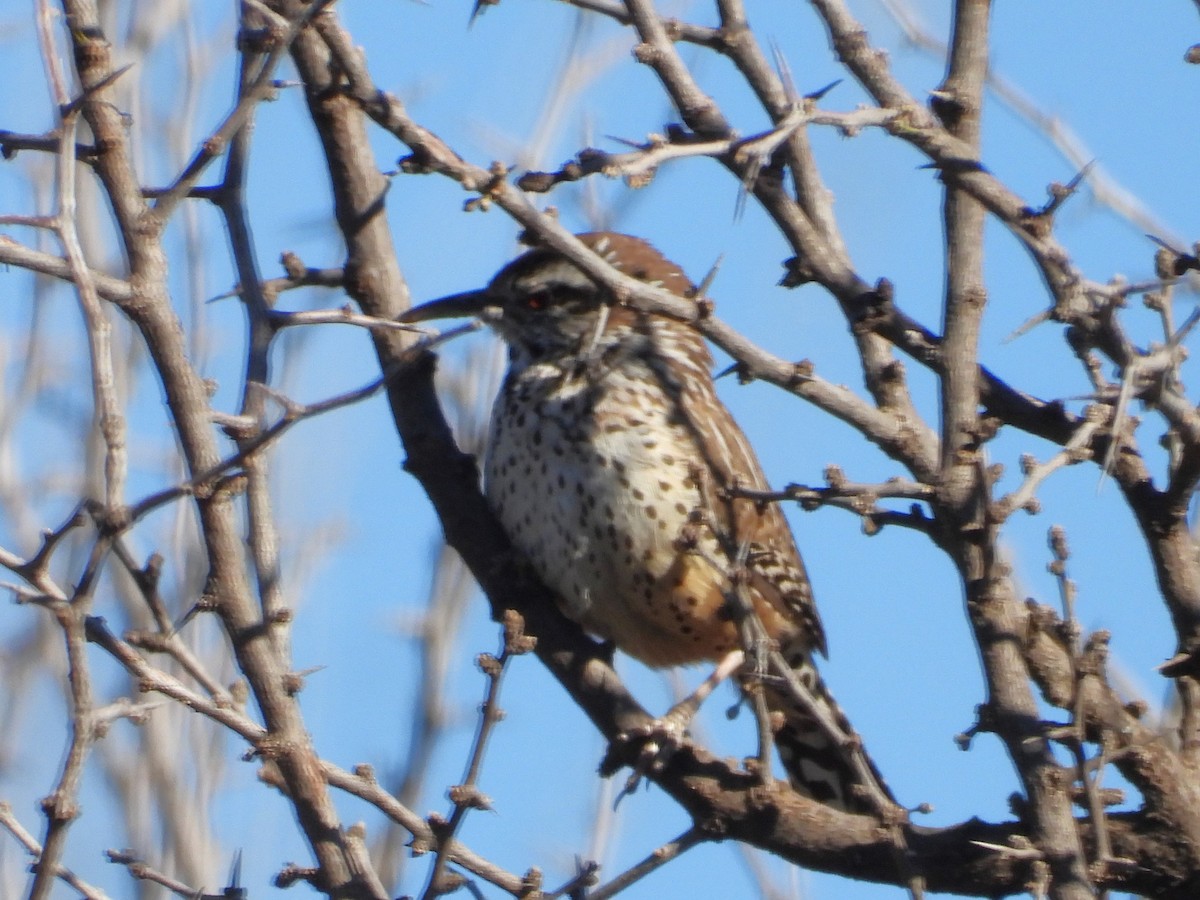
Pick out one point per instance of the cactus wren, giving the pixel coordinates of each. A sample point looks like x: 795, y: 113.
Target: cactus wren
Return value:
x: 609, y: 461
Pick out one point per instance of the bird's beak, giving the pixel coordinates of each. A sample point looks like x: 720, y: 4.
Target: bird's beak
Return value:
x: 456, y: 306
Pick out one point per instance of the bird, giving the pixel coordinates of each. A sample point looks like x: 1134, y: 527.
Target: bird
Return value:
x: 614, y: 468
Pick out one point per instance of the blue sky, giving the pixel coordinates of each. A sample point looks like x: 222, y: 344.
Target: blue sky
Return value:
x: 901, y: 658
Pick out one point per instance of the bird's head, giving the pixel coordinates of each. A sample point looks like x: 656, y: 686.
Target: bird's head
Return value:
x: 543, y: 306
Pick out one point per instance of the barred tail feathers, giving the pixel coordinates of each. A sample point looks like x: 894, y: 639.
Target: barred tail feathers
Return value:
x: 817, y: 764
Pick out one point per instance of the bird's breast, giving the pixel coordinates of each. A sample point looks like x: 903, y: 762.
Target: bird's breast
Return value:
x: 594, y: 481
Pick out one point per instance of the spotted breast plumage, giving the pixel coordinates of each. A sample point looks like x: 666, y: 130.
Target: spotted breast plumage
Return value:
x: 610, y: 464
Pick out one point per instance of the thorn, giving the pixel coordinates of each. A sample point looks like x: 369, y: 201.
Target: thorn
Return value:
x: 633, y: 145
x: 235, y: 872
x: 1164, y: 245
x: 821, y: 92
x: 708, y: 279
x: 1179, y: 664
x: 1185, y: 328
x: 1059, y: 193
x: 1183, y: 263
x: 477, y: 11
x: 733, y: 369
x: 1028, y: 325
x: 1083, y: 173
x: 785, y: 72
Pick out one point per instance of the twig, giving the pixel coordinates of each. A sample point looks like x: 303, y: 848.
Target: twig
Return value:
x: 258, y: 90
x: 752, y: 635
x: 153, y: 679
x: 293, y: 413
x: 108, y: 418
x: 467, y: 796
x: 263, y: 537
x: 13, y: 253
x: 9, y: 822
x: 11, y: 142
x: 1085, y: 663
x: 751, y: 153
x: 61, y: 806
x: 122, y: 708
x: 1103, y: 186
x: 344, y: 315
x: 299, y: 276
x: 1076, y: 450
x: 143, y: 871
x: 856, y: 497
x: 36, y: 569
x: 684, y: 31
x: 166, y: 639
x: 656, y: 860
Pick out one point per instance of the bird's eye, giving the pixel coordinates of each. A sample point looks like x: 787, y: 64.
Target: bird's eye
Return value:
x: 537, y: 300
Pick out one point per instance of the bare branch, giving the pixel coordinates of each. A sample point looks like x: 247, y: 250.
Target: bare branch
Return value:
x: 9, y: 822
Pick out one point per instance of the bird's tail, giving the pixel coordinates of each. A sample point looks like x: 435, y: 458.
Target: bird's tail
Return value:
x: 820, y: 750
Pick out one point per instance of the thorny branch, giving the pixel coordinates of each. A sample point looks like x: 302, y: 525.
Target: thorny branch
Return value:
x: 926, y: 347
x: 656, y: 860
x: 224, y: 474
x: 223, y: 709
x: 861, y: 499
x: 467, y: 795
x: 639, y: 166
x: 950, y: 484
x: 61, y: 807
x: 12, y: 825
x: 143, y: 871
